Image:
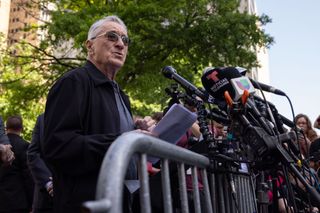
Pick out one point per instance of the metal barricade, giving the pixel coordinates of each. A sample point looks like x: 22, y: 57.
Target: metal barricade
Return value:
x: 234, y: 193
x: 109, y: 193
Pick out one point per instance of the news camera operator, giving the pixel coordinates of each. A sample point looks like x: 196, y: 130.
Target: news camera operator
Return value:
x: 85, y: 112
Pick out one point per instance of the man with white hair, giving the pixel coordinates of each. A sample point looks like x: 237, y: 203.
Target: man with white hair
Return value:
x: 85, y: 112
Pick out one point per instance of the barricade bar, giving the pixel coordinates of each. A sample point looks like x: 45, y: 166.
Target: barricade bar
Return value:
x: 116, y: 161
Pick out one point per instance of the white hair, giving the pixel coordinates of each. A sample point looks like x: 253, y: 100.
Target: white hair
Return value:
x: 94, y: 29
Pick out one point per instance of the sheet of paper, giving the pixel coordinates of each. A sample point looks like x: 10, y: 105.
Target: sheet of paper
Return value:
x: 174, y: 125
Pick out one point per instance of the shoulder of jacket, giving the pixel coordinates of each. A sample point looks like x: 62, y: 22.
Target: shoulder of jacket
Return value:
x: 78, y: 75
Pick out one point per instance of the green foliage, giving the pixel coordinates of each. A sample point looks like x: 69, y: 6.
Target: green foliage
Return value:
x: 22, y: 89
x: 188, y: 35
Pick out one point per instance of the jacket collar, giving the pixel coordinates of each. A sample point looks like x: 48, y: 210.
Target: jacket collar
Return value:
x: 96, y: 75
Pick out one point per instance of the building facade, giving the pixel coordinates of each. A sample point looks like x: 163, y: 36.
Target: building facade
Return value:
x: 261, y: 73
x: 19, y: 21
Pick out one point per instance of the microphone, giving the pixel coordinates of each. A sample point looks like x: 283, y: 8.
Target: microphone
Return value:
x: 218, y: 80
x: 266, y: 87
x: 209, y: 97
x: 171, y: 73
x: 218, y: 116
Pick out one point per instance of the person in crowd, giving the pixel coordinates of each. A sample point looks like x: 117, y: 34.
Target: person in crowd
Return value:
x: 3, y: 137
x: 317, y: 123
x: 85, y: 112
x: 218, y: 130
x: 6, y: 154
x: 309, y: 134
x: 16, y: 184
x: 43, y: 189
x: 314, y: 154
x: 315, y: 150
x: 304, y: 123
x: 157, y: 116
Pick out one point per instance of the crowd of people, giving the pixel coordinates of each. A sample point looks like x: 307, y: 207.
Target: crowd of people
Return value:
x: 86, y: 111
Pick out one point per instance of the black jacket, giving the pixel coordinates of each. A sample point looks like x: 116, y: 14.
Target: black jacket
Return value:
x: 81, y: 121
x: 42, y: 201
x: 16, y: 184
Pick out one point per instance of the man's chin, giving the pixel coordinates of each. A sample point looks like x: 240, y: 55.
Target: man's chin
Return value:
x: 117, y: 64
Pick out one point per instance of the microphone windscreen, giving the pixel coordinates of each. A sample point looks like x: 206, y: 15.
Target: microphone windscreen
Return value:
x: 168, y: 71
x: 217, y: 80
x: 207, y: 69
x: 242, y: 70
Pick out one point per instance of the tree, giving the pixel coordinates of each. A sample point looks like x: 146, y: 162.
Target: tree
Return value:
x: 188, y: 35
x: 24, y: 83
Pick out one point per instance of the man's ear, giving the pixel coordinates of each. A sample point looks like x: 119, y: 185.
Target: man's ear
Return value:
x: 89, y: 46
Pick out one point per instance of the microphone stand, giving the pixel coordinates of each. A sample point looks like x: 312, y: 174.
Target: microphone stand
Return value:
x: 259, y: 138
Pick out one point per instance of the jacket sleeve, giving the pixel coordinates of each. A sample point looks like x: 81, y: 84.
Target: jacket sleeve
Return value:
x: 66, y: 146
x: 39, y: 170
x: 26, y: 175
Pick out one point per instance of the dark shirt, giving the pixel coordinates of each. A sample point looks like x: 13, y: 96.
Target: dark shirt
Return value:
x: 126, y: 122
x: 81, y: 122
x: 16, y: 184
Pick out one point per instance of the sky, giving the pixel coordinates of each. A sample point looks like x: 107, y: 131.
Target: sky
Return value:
x: 294, y: 58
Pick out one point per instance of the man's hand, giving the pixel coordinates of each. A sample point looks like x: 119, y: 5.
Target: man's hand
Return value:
x: 6, y: 154
x: 49, y: 187
x: 147, y: 123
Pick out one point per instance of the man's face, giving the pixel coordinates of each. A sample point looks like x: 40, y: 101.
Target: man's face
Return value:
x: 105, y: 52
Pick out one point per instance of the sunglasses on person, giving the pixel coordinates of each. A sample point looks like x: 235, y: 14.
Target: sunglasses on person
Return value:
x: 113, y: 36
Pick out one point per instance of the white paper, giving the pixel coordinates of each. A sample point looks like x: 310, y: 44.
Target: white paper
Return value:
x: 174, y: 125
